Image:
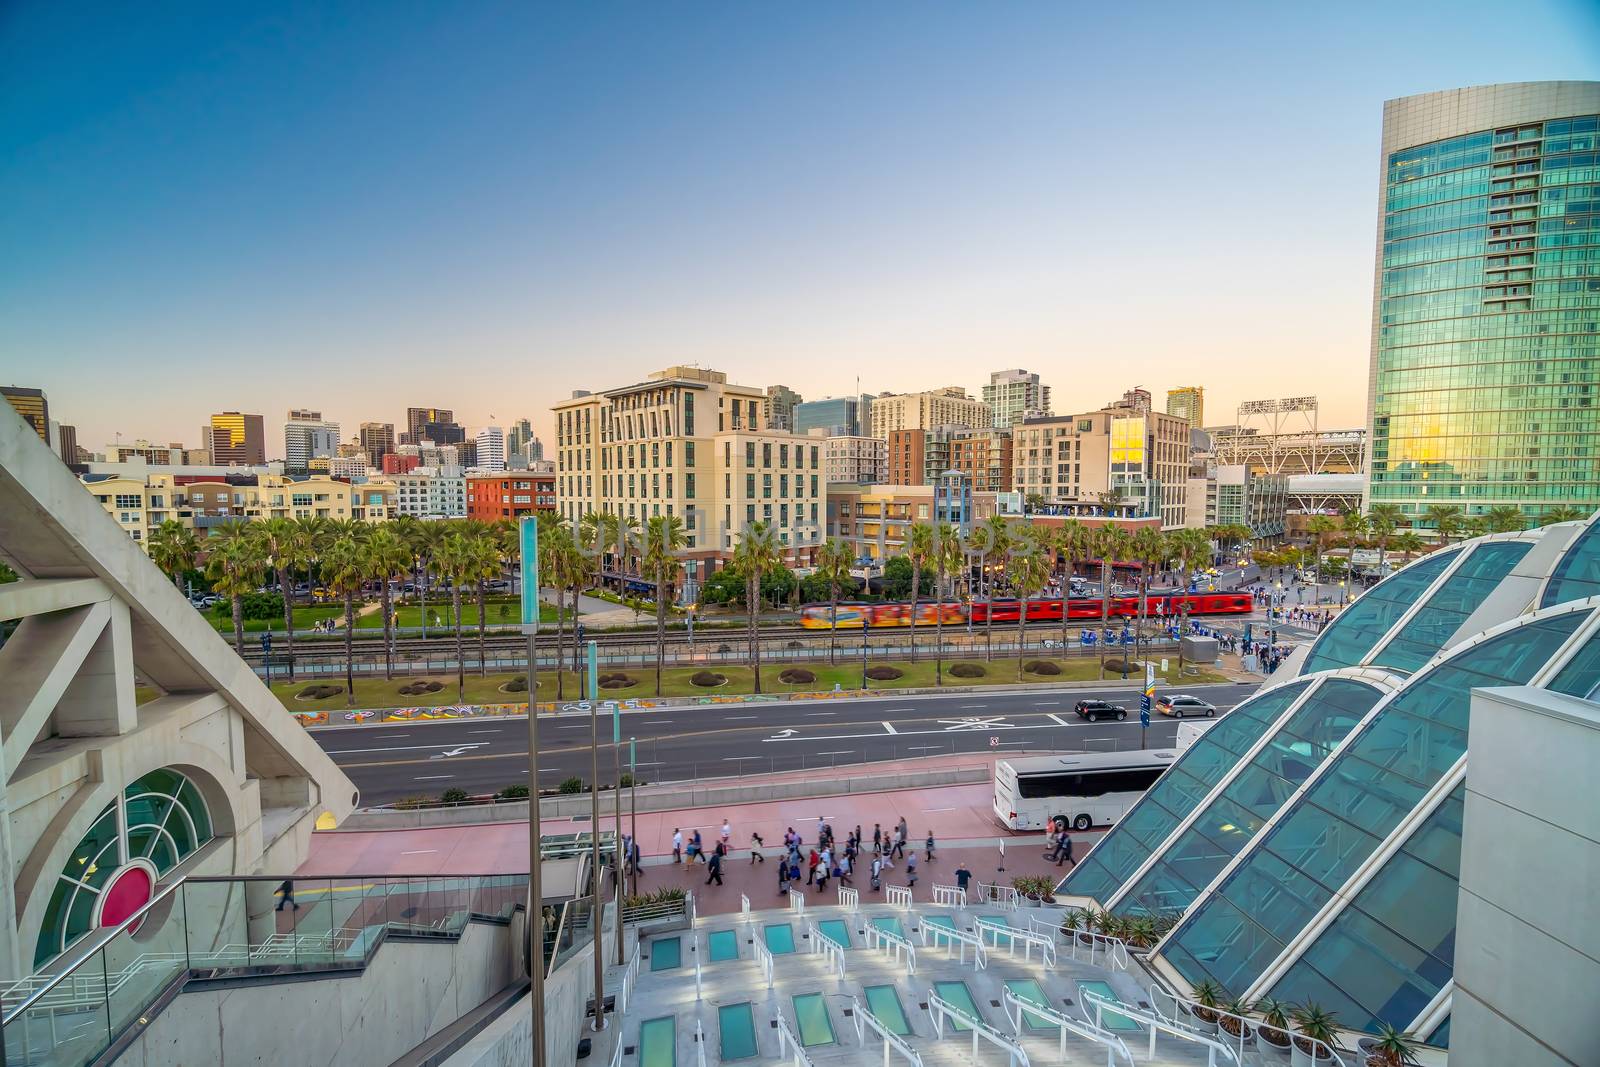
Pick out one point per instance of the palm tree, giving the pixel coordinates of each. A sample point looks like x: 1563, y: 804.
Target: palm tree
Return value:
x: 1475, y: 526
x: 1189, y: 548
x: 597, y: 532
x: 344, y: 570
x: 948, y: 555
x: 286, y: 548
x: 173, y: 548
x: 1505, y: 518
x: 1446, y: 518
x: 454, y: 561
x: 1152, y: 550
x: 833, y: 560
x: 1111, y: 542
x: 1356, y: 527
x: 664, y: 538
x: 235, y: 565
x: 757, y: 555
x: 425, y: 540
x: 1407, y: 542
x: 485, y: 567
x: 1028, y: 569
x: 1322, y: 527
x: 997, y: 539
x: 1070, y: 539
x: 1564, y: 514
x: 387, y: 558
x: 919, y: 550
x: 1384, y: 520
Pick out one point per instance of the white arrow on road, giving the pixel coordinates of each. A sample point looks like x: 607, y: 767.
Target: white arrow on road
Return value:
x: 785, y: 733
x: 459, y: 751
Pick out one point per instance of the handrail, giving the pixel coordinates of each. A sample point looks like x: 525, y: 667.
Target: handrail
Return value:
x: 699, y: 1043
x: 1114, y: 948
x: 630, y: 978
x: 764, y: 958
x: 1029, y: 939
x: 933, y: 933
x: 878, y: 936
x: 949, y: 896
x: 942, y: 1009
x: 865, y: 1020
x: 1154, y: 1021
x: 789, y: 1044
x: 797, y: 902
x: 616, y: 1050
x: 1004, y: 896
x: 744, y: 904
x: 1321, y: 1051
x: 821, y: 942
x: 1015, y: 1006
x: 695, y: 951
x: 849, y: 898
x: 898, y: 895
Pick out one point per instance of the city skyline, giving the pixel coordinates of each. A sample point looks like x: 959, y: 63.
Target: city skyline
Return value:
x: 273, y: 225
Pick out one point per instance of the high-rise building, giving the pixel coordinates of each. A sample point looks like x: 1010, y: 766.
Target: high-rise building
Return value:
x: 491, y: 449
x: 307, y: 436
x: 950, y: 406
x: 1483, y: 377
x: 855, y: 459
x: 843, y: 415
x: 777, y: 411
x: 535, y: 450
x: 32, y: 405
x: 984, y: 456
x: 908, y: 457
x: 1188, y: 402
x: 377, y: 440
x: 517, y: 438
x: 417, y: 418
x: 67, y: 444
x: 1015, y: 394
x: 237, y: 439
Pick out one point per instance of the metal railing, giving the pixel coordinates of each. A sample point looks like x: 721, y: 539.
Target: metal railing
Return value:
x: 949, y: 896
x: 849, y: 898
x: 899, y: 895
x: 1004, y: 896
x: 1086, y: 946
x: 822, y: 943
x: 933, y: 933
x: 657, y: 911
x: 1096, y: 1007
x: 699, y: 1043
x: 1065, y: 1024
x: 865, y: 1020
x: 797, y: 901
x: 695, y: 952
x: 1182, y: 1012
x: 1030, y: 941
x: 231, y: 927
x: 789, y: 1045
x: 764, y: 960
x: 630, y: 979
x: 942, y: 1009
x: 901, y: 949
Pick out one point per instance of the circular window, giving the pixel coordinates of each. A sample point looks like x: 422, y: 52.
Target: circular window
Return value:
x: 155, y: 824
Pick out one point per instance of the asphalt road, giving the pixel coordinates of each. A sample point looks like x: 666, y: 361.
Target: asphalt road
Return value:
x: 391, y: 761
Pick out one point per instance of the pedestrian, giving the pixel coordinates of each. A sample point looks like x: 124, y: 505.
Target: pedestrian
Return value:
x: 286, y: 896
x: 900, y: 841
x: 633, y: 857
x: 811, y: 867
x: 697, y: 848
x: 822, y: 878
x: 877, y: 875
x: 716, y: 870
x: 755, y: 849
x: 877, y: 837
x: 783, y: 877
x: 963, y: 877
x: 928, y: 848
x: 677, y: 845
x: 794, y: 872
x: 845, y: 869
x: 911, y: 868
x: 727, y: 831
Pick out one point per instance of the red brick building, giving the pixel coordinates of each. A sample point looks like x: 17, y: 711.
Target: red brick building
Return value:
x: 508, y: 494
x: 393, y: 463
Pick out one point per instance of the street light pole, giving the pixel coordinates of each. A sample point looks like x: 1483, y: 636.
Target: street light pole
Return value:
x: 534, y: 919
x: 597, y: 909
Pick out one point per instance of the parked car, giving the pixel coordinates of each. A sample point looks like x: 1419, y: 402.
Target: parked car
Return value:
x: 1181, y: 705
x: 1095, y: 710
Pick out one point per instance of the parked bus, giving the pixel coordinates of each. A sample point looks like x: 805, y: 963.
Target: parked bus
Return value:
x: 1082, y: 790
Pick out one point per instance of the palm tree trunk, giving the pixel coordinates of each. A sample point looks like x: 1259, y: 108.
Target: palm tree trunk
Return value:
x: 938, y: 627
x: 661, y: 633
x: 238, y: 624
x: 1105, y: 609
x: 349, y: 651
x: 561, y: 643
x: 833, y: 621
x: 288, y: 616
x: 916, y: 600
x: 1066, y: 602
x: 461, y: 654
x: 422, y: 598
x: 1022, y: 634
x: 388, y: 633
x: 483, y: 649
x: 753, y: 599
x: 988, y: 616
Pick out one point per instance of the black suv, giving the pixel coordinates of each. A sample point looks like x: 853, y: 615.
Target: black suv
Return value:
x: 1095, y: 710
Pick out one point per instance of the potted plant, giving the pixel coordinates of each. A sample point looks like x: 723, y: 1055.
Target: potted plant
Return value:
x: 1091, y: 922
x: 1275, y: 1022
x: 1312, y: 1024
x: 1233, y: 1024
x: 1203, y: 1013
x: 1391, y: 1048
x: 1140, y: 932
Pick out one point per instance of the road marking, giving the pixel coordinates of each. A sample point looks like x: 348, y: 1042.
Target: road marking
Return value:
x: 580, y: 726
x: 730, y: 759
x: 987, y: 722
x: 663, y: 722
x: 835, y: 752
x: 783, y: 734
x: 389, y: 737
x: 483, y: 731
x: 813, y: 714
x: 887, y: 728
x: 432, y: 777
x: 1049, y: 703
x: 419, y: 852
x: 932, y: 811
x: 400, y: 748
x: 1058, y: 719
x: 740, y: 718
x: 965, y: 707
x: 924, y: 748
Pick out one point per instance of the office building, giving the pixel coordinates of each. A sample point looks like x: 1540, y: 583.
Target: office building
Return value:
x: 518, y: 437
x: 877, y: 519
x: 417, y: 419
x: 491, y: 497
x: 307, y: 436
x: 1188, y: 402
x: 376, y: 440
x: 534, y: 450
x: 400, y: 463
x: 687, y: 442
x: 1013, y: 395
x: 1330, y: 840
x: 236, y: 439
x: 854, y: 459
x: 984, y: 456
x: 67, y: 444
x: 1234, y: 495
x: 426, y: 494
x: 847, y: 416
x: 777, y: 412
x: 490, y: 449
x: 32, y: 405
x: 1483, y: 378
x: 950, y: 406
x: 1121, y: 461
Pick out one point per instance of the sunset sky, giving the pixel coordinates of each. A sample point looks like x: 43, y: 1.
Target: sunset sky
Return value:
x: 361, y: 207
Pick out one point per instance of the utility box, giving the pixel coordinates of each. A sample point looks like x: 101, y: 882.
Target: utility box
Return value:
x: 1201, y: 650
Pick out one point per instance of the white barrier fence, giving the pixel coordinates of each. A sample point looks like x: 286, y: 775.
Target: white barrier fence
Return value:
x: 933, y: 934
x: 797, y: 902
x: 630, y: 978
x: 1096, y: 1007
x: 789, y: 1045
x: 949, y: 896
x: 822, y: 943
x: 1114, y: 1045
x: 892, y: 1042
x: 764, y: 958
x: 942, y: 1010
x: 1029, y: 940
x: 849, y: 898
x: 898, y: 895
x: 699, y: 1044
x: 1178, y: 1011
x: 1086, y: 946
x: 696, y: 950
x: 1004, y: 896
x: 897, y: 946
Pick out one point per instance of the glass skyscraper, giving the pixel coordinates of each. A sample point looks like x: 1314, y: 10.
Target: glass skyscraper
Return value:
x: 1486, y: 311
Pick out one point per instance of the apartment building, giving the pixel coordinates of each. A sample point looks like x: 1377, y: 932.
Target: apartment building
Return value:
x: 1122, y: 460
x: 1188, y: 402
x: 428, y: 494
x: 876, y: 519
x: 687, y: 442
x: 491, y: 449
x: 495, y: 496
x: 1014, y: 395
x: 376, y: 440
x: 778, y: 411
x: 855, y: 460
x: 984, y: 456
x: 907, y: 457
x: 950, y: 406
x: 1231, y: 494
x: 307, y: 436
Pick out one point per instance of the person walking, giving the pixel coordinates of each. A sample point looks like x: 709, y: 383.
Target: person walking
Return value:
x: 877, y: 874
x: 899, y: 850
x: 877, y: 837
x: 696, y: 848
x: 286, y: 896
x: 677, y: 845
x: 727, y: 831
x: 783, y: 876
x: 633, y: 857
x: 963, y: 877
x: 928, y: 848
x: 911, y: 869
x: 756, y: 845
x: 822, y: 878
x: 811, y: 867
x: 715, y: 866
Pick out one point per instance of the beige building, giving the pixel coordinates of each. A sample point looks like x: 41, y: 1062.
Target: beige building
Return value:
x: 876, y: 519
x: 950, y: 406
x: 686, y: 442
x: 854, y: 460
x: 1117, y: 460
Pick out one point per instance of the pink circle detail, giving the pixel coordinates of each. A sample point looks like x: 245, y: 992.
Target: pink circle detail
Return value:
x: 129, y: 891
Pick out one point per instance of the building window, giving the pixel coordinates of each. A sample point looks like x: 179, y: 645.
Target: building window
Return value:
x: 766, y: 485
x: 749, y: 453
x: 688, y: 453
x: 688, y: 486
x: 129, y: 500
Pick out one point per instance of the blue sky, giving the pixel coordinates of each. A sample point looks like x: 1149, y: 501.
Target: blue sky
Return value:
x: 483, y: 206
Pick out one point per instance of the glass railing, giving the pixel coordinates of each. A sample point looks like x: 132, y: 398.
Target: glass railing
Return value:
x: 211, y: 928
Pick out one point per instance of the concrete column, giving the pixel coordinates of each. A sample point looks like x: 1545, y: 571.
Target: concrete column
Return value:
x: 99, y: 701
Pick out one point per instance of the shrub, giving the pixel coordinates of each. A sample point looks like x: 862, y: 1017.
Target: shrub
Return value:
x: 251, y: 606
x: 1114, y: 663
x: 434, y: 687
x: 519, y: 684
x: 420, y: 688
x: 319, y: 692
x: 968, y: 670
x: 453, y: 796
x: 883, y: 674
x: 1041, y: 667
x: 616, y: 681
x: 627, y: 780
x: 796, y: 676
x: 411, y: 803
x: 513, y: 792
x: 572, y: 785
x: 706, y: 679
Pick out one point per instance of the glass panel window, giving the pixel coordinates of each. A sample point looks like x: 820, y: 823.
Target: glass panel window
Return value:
x: 1352, y: 635
x: 1428, y: 630
x: 1578, y: 574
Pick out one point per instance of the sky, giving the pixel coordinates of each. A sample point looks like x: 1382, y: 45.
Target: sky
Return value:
x: 362, y: 207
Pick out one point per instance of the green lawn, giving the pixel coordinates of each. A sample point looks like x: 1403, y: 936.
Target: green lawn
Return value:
x: 304, y: 617
x: 411, y: 614
x: 675, y: 682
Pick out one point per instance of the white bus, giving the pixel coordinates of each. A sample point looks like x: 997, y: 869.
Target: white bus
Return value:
x: 1081, y: 791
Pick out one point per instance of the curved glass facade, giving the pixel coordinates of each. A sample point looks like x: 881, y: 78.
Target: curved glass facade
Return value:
x: 1488, y: 319
x: 1393, y: 761
x: 1426, y: 632
x: 1578, y: 573
x: 1359, y: 627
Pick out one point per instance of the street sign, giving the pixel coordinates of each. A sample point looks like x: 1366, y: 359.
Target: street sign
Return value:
x: 528, y: 539
x: 1144, y: 718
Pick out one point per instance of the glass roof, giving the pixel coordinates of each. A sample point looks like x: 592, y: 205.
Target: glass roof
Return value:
x: 1578, y: 574
x: 1359, y: 627
x: 1425, y: 634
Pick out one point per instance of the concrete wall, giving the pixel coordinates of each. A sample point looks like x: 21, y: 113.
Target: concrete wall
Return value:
x: 412, y: 989
x: 508, y: 1041
x: 1528, y: 917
